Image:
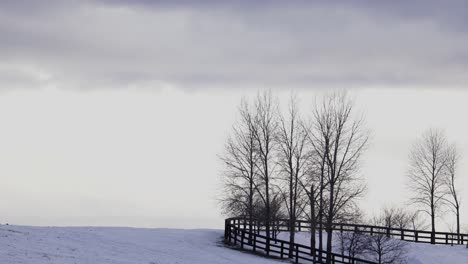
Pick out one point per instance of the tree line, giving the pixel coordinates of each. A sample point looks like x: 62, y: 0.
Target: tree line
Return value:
x: 280, y: 164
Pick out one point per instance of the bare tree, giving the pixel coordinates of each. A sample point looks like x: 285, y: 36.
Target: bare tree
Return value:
x: 318, y: 181
x: 319, y: 131
x: 264, y: 131
x: 310, y: 185
x: 427, y: 174
x: 353, y: 244
x: 276, y: 212
x: 453, y: 199
x: 240, y: 175
x: 341, y: 139
x: 314, y: 186
x: 416, y: 222
x: 396, y: 217
x: 291, y: 142
x: 382, y: 248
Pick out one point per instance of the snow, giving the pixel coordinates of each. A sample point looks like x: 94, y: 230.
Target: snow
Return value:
x: 418, y: 253
x: 116, y: 245
x: 123, y: 245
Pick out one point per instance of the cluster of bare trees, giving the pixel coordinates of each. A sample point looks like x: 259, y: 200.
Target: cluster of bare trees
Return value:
x: 301, y: 167
x: 280, y: 164
x: 433, y: 177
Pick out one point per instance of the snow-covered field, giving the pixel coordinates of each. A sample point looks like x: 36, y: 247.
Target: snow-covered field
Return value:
x: 106, y: 245
x: 418, y: 253
x: 114, y: 245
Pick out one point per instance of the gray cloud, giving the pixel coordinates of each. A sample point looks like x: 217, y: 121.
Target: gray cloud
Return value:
x: 114, y: 44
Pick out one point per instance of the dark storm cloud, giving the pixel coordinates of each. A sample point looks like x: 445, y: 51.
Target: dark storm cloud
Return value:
x: 119, y: 43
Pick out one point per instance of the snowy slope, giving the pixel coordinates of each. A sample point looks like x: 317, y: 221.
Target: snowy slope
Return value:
x: 105, y: 245
x: 418, y: 253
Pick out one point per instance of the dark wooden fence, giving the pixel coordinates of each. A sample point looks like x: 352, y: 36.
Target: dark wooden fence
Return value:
x: 237, y: 232
x: 411, y: 235
x: 418, y: 236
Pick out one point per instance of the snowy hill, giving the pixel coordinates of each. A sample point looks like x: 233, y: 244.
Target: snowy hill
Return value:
x: 115, y: 245
x: 118, y: 245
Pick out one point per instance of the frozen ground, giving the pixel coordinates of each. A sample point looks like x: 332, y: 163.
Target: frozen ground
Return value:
x: 418, y: 253
x: 106, y: 245
x: 109, y: 245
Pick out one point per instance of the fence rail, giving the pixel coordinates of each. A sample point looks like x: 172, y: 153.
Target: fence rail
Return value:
x: 411, y: 235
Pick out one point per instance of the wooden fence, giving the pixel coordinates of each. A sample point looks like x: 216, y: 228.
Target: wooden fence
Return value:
x: 237, y: 232
x: 411, y: 235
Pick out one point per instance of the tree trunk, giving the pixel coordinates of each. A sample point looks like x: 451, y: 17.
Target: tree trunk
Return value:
x: 291, y: 216
x: 268, y: 218
x: 433, y: 225
x: 251, y: 188
x: 312, y: 223
x: 320, y: 217
x: 458, y: 225
x: 329, y: 225
x: 250, y: 213
x: 267, y: 197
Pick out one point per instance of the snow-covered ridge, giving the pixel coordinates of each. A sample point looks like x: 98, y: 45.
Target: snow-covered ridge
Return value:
x: 122, y: 245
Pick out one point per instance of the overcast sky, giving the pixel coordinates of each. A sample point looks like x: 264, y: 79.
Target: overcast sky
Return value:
x: 113, y: 112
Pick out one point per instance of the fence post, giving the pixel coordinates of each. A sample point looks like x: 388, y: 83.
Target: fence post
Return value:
x: 446, y: 239
x: 225, y: 230
x: 235, y: 237
x: 242, y: 238
x: 282, y: 249
x: 402, y: 234
x: 254, y: 243
x: 416, y: 236
x: 267, y: 246
x: 297, y: 254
